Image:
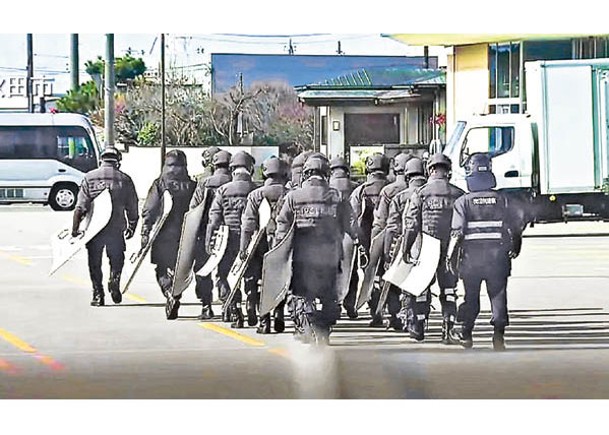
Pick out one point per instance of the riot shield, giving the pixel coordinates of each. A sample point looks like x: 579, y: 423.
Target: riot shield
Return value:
x: 221, y: 241
x: 366, y: 285
x: 276, y: 274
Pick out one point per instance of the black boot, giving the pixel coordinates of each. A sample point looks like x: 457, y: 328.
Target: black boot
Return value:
x: 377, y: 321
x: 114, y: 287
x: 206, y: 313
x: 417, y: 329
x: 396, y: 323
x: 448, y: 332
x: 265, y: 325
x: 237, y: 317
x: 98, y: 296
x: 498, y: 340
x: 279, y: 320
x: 466, y: 338
x: 351, y: 312
x: 226, y: 314
x: 250, y: 308
x: 172, y: 306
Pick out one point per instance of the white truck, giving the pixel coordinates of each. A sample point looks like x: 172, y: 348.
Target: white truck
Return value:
x: 555, y: 157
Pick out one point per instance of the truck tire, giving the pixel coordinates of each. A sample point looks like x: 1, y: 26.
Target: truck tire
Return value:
x: 63, y: 197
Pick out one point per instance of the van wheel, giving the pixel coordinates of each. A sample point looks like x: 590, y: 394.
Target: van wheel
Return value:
x: 63, y: 197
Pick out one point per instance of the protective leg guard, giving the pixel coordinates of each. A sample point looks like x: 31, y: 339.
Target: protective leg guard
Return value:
x: 466, y: 337
x: 417, y: 328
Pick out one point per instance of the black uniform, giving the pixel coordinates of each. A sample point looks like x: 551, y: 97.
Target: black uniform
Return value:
x: 393, y: 233
x: 273, y: 191
x: 204, y: 286
x: 164, y: 251
x: 364, y: 200
x: 124, y: 218
x: 430, y: 212
x: 321, y: 218
x: 489, y: 232
x: 340, y: 180
x: 226, y: 208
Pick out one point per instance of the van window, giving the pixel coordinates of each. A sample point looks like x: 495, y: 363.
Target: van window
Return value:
x: 26, y: 143
x: 74, y: 148
x: 492, y: 140
x: 70, y: 145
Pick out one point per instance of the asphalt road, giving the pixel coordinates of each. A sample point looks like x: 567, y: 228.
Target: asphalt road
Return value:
x: 54, y: 345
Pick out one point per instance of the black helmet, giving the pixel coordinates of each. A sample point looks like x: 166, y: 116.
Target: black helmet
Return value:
x: 414, y: 166
x: 339, y: 162
x: 209, y: 153
x: 111, y: 154
x: 316, y: 165
x: 439, y: 159
x: 222, y: 158
x: 478, y: 172
x: 178, y: 156
x: 242, y: 160
x: 300, y: 159
x: 377, y: 162
x: 274, y: 166
x: 399, y: 162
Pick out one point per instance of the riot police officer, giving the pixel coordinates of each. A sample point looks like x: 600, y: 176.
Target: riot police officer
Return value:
x: 389, y: 191
x: 340, y: 177
x: 297, y: 165
x: 413, y: 173
x: 226, y: 208
x: 364, y: 200
x: 430, y: 212
x: 120, y: 227
x: 207, y: 162
x: 221, y: 175
x: 320, y: 218
x: 488, y: 232
x: 275, y: 172
x: 164, y: 251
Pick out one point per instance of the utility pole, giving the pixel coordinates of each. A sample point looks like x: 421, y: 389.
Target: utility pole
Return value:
x: 163, y: 145
x: 290, y: 47
x: 339, y: 51
x: 29, y: 92
x: 74, y: 61
x: 109, y: 91
x: 426, y: 55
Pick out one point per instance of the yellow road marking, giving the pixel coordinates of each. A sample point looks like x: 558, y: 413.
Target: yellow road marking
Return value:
x: 17, y: 258
x: 280, y: 351
x: 16, y: 341
x: 135, y: 298
x: 232, y: 334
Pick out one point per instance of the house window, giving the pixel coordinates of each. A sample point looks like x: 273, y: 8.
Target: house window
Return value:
x: 590, y: 48
x: 324, y: 130
x: 372, y: 128
x: 504, y: 69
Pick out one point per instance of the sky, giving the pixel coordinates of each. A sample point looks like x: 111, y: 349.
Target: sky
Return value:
x: 196, y: 30
x: 188, y: 52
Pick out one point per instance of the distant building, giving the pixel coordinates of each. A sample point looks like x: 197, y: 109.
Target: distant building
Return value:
x: 486, y: 73
x: 389, y: 109
x: 300, y: 70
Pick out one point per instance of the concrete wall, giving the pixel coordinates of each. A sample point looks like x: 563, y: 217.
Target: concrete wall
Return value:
x: 467, y: 83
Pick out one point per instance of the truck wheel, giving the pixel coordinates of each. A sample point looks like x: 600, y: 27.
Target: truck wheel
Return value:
x: 63, y: 197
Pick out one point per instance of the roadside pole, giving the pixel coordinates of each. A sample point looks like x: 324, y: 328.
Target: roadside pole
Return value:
x: 109, y: 91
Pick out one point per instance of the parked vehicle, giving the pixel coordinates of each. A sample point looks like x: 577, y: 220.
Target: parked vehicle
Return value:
x: 555, y: 157
x: 43, y: 157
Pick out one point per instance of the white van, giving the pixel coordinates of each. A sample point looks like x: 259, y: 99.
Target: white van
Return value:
x: 44, y: 156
